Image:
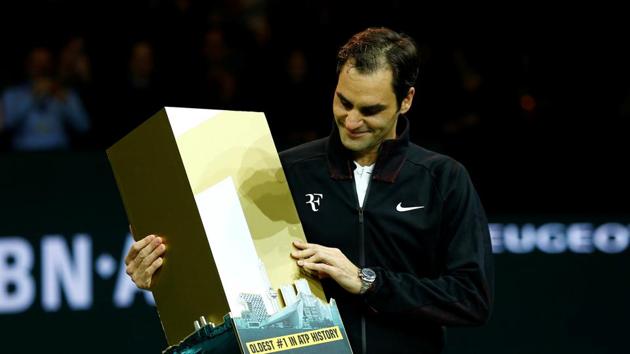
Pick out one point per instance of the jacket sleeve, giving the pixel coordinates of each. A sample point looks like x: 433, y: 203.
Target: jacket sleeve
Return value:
x: 463, y: 293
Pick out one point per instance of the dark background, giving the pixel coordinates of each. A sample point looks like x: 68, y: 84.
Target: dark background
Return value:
x: 534, y: 101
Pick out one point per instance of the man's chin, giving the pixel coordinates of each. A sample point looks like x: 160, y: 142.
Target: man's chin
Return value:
x: 353, y: 145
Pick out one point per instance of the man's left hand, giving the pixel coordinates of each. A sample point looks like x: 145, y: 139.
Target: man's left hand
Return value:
x: 328, y: 262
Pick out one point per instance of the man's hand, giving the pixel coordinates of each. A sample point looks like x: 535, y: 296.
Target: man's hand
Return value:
x: 144, y: 259
x: 328, y: 262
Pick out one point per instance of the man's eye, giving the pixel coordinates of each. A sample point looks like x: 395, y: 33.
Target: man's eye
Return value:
x: 369, y: 112
x: 346, y: 104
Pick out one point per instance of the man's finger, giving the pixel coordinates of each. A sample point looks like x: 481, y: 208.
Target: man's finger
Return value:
x: 313, y: 274
x: 137, y: 247
x: 154, y: 267
x: 158, y: 251
x: 146, y: 251
x: 322, y: 255
x: 318, y: 257
x: 303, y: 245
x: 320, y: 268
x: 130, y: 268
x: 303, y: 253
x: 307, y: 272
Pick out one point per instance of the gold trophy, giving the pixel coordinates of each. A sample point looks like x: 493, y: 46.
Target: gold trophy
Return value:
x: 210, y: 183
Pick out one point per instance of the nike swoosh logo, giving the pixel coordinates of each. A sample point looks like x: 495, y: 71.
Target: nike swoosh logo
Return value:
x: 401, y: 208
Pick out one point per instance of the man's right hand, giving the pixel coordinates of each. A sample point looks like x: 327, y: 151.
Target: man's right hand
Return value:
x: 144, y: 259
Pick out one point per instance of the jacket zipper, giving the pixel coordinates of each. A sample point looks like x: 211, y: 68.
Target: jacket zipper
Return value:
x: 362, y: 227
x: 362, y: 251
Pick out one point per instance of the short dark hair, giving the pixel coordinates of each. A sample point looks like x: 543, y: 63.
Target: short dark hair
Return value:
x: 374, y: 48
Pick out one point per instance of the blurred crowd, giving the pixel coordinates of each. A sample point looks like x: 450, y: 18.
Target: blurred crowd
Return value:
x: 502, y: 98
x: 82, y: 88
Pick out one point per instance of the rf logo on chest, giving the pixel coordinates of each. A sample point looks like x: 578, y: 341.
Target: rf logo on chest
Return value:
x: 314, y: 200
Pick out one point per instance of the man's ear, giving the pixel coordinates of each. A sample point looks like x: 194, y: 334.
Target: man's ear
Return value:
x: 405, y: 105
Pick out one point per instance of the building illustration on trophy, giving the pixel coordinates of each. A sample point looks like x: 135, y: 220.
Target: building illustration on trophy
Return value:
x: 303, y: 310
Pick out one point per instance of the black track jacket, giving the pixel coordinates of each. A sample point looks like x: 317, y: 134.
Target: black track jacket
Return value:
x: 422, y: 229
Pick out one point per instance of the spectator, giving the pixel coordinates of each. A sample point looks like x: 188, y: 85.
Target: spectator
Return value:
x: 40, y: 114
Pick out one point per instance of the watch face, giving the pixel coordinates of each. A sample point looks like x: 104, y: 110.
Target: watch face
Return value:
x: 368, y: 274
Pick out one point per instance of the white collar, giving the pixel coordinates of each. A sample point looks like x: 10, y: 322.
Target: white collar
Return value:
x: 360, y: 170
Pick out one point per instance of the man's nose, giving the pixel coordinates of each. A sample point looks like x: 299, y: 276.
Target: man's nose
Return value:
x: 353, y: 121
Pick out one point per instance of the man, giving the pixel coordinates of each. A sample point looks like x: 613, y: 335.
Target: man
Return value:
x: 396, y: 232
x: 40, y: 114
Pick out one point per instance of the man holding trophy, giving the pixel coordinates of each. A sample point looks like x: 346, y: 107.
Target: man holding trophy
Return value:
x: 396, y: 232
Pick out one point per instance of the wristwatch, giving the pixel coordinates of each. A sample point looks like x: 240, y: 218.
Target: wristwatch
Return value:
x: 367, y: 276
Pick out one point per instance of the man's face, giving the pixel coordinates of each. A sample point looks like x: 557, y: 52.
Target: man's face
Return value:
x: 365, y: 109
x: 39, y: 63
